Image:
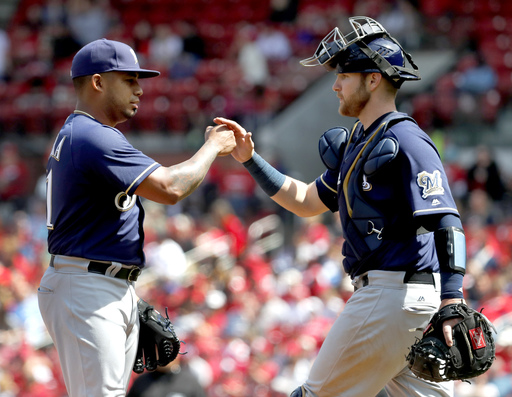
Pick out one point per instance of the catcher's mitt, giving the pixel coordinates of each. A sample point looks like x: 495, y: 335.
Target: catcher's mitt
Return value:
x: 472, y: 353
x: 158, y: 343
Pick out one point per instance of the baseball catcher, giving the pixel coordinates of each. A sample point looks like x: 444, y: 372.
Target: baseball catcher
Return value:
x: 158, y: 343
x: 472, y: 353
x: 404, y: 241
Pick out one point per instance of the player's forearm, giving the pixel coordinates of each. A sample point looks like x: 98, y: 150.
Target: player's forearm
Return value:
x: 186, y: 177
x: 168, y: 185
x: 299, y: 198
x: 289, y: 193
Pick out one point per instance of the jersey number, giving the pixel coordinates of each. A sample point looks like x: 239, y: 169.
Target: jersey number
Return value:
x: 57, y: 147
x: 49, y: 223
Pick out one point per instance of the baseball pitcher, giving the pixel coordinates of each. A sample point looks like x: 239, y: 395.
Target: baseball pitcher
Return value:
x: 95, y: 179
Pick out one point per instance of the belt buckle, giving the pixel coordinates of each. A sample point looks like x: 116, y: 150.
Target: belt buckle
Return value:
x: 134, y: 274
x: 360, y: 282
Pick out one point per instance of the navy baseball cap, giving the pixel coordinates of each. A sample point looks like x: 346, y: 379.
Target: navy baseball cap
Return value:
x: 104, y: 55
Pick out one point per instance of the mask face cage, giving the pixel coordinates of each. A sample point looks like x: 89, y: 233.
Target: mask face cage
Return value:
x: 336, y: 41
x: 364, y: 30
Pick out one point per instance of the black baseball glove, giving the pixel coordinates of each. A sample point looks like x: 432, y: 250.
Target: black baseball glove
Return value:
x: 158, y: 343
x: 472, y: 353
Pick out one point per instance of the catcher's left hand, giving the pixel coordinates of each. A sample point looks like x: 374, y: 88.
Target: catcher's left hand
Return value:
x: 158, y: 343
x: 473, y: 349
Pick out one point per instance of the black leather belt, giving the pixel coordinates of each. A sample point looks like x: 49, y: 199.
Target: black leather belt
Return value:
x: 419, y: 278
x: 125, y: 273
x: 410, y: 278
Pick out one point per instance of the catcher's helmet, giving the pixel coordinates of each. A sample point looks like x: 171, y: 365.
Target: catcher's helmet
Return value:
x: 368, y: 48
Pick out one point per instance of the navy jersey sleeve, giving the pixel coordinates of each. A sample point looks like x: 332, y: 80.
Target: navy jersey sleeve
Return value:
x: 427, y: 189
x: 104, y: 153
x: 327, y: 185
x: 92, y: 211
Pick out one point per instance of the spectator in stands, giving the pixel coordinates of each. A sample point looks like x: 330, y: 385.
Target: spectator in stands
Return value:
x: 142, y: 34
x: 14, y: 176
x: 309, y: 27
x: 89, y: 20
x: 474, y: 75
x: 24, y: 51
x: 186, y: 61
x: 371, y: 8
x: 283, y: 10
x: 402, y: 21
x: 225, y: 218
x: 165, y: 47
x: 193, y: 43
x: 54, y: 12
x: 481, y: 209
x: 165, y: 258
x: 5, y: 44
x: 62, y: 43
x: 176, y: 379
x: 485, y: 174
x: 273, y: 43
x: 34, y: 18
x: 251, y: 58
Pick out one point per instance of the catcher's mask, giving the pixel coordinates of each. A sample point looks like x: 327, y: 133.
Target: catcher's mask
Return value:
x: 367, y: 48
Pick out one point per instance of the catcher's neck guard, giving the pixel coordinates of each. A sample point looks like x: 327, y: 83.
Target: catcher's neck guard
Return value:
x: 353, y: 52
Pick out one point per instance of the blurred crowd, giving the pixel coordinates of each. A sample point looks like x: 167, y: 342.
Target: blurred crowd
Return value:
x: 251, y: 289
x: 242, y: 63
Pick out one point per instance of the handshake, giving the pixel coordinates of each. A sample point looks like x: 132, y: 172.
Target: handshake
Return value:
x: 229, y: 137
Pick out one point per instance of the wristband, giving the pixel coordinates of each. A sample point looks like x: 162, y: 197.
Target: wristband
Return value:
x: 451, y: 286
x: 269, y: 179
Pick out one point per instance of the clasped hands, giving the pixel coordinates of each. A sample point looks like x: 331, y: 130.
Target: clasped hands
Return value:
x: 231, y: 138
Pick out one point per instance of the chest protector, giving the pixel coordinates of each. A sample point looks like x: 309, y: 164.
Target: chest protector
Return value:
x: 365, y: 226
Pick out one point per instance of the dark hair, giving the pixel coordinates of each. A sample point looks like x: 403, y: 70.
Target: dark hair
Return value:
x: 80, y: 82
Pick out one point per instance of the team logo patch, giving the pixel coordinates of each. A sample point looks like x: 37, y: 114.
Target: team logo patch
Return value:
x: 477, y: 338
x: 134, y: 56
x: 430, y: 183
x: 124, y: 202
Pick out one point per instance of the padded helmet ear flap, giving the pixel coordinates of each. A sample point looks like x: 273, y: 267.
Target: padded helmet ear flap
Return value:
x: 331, y: 145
